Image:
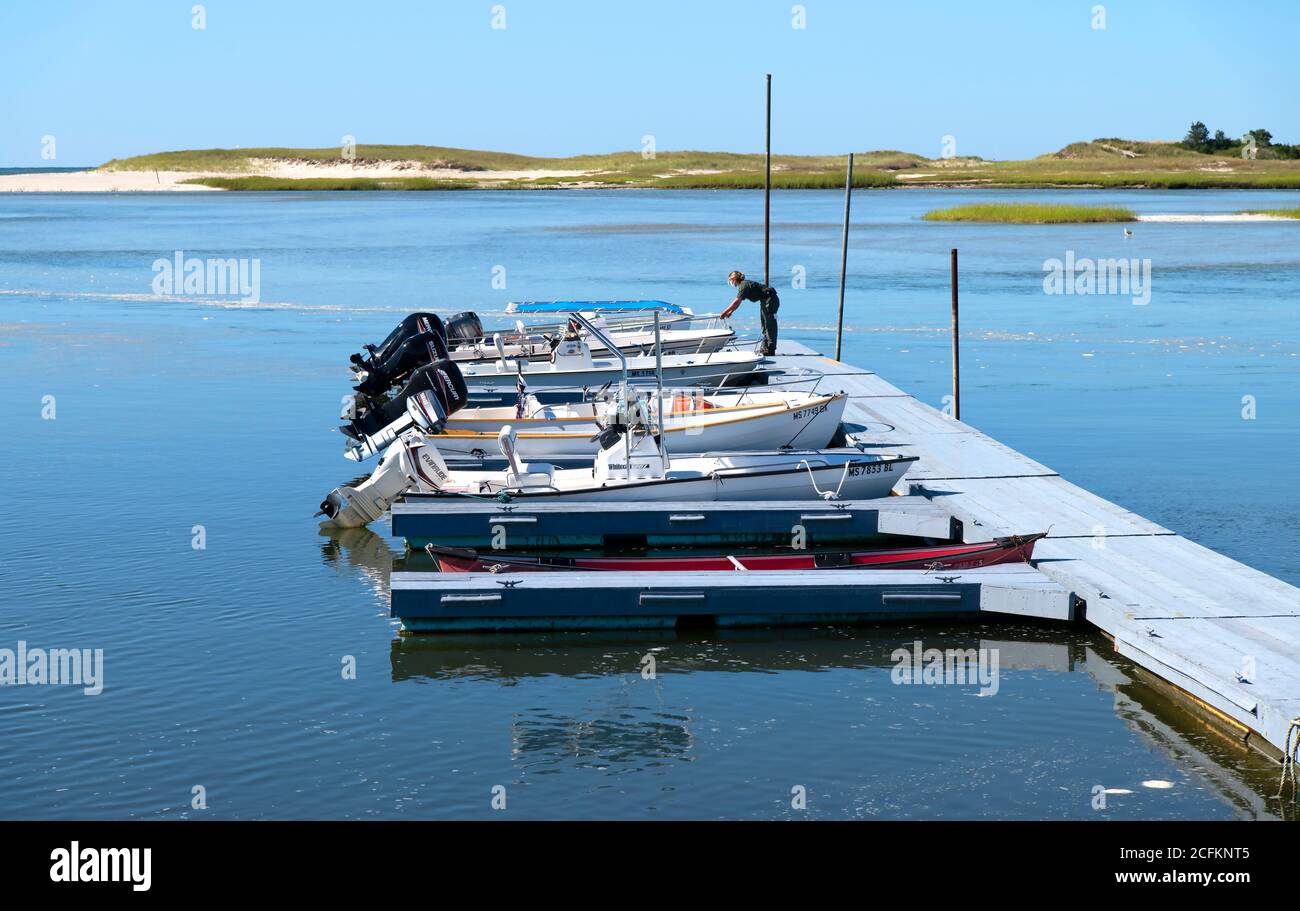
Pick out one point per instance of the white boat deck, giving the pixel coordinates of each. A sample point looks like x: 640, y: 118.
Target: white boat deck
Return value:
x: 1222, y: 632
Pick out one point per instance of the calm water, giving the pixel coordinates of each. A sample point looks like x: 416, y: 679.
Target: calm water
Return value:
x: 223, y: 665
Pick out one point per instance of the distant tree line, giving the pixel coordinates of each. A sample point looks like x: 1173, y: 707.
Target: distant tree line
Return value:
x: 1198, y: 139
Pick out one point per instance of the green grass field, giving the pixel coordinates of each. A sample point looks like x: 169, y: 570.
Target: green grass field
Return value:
x: 1030, y: 213
x: 1103, y: 163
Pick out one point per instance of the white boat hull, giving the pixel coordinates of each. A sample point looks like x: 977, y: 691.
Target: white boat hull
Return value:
x: 771, y: 422
x: 740, y: 421
x: 846, y: 473
x: 625, y: 470
x: 634, y: 343
x: 678, y: 369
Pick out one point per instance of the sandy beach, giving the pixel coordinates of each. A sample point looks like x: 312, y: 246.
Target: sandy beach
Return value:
x: 113, y: 181
x: 1224, y: 217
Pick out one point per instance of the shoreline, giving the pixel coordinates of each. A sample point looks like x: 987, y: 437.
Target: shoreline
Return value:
x: 97, y: 181
x: 289, y: 174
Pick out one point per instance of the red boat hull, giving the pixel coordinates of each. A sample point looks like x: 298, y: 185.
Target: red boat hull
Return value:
x: 1015, y: 549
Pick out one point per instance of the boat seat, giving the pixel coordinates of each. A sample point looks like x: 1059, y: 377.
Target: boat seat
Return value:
x: 534, y: 474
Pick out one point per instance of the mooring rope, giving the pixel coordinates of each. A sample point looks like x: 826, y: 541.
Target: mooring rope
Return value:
x: 825, y: 494
x: 1290, y: 757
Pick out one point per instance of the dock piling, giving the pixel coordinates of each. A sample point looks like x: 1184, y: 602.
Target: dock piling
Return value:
x: 956, y: 352
x: 844, y: 254
x: 767, y: 184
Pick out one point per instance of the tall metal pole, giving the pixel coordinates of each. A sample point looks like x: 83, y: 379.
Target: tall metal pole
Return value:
x: 659, y: 385
x: 844, y: 254
x: 956, y: 353
x: 767, y: 183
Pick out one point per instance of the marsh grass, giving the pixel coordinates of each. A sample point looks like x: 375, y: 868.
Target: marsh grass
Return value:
x: 1030, y: 213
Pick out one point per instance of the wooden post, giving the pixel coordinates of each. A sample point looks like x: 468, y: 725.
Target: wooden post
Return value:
x: 767, y: 183
x: 956, y: 352
x: 844, y: 254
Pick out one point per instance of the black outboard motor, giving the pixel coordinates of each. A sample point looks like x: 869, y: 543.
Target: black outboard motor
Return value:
x: 464, y: 328
x: 418, y: 350
x: 442, y: 379
x: 413, y: 325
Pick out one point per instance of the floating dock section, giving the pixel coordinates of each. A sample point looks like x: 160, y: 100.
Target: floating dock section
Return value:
x: 466, y: 522
x: 581, y: 600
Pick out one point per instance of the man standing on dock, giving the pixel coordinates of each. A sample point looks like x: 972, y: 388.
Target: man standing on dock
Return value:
x: 768, y: 304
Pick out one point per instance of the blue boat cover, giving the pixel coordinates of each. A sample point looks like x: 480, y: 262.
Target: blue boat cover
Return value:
x: 591, y: 306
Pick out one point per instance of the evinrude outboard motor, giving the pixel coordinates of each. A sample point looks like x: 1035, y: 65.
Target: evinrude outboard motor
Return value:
x: 464, y: 328
x: 412, y: 462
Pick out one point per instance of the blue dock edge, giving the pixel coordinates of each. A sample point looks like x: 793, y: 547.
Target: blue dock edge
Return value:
x: 480, y: 523
x: 430, y: 602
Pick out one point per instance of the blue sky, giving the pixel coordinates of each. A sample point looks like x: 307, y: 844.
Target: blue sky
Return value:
x: 1006, y: 79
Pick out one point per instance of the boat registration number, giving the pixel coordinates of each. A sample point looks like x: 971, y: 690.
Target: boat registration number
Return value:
x: 807, y: 413
x: 858, y: 469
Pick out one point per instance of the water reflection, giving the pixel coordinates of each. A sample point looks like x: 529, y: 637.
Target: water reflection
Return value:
x: 628, y: 732
x: 360, y: 550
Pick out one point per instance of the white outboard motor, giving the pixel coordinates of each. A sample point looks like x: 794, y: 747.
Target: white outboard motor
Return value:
x: 412, y: 462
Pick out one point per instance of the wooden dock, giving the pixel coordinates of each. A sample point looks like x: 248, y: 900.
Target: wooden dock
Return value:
x: 1224, y: 634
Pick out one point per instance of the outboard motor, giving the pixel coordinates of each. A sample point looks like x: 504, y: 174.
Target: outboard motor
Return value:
x: 412, y: 354
x: 411, y: 463
x: 464, y: 328
x: 442, y: 378
x: 413, y: 325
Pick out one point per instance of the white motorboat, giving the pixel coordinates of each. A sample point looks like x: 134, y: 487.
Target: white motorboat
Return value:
x: 573, y: 366
x: 694, y: 423
x: 535, y: 346
x: 630, y: 466
x: 374, y: 425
